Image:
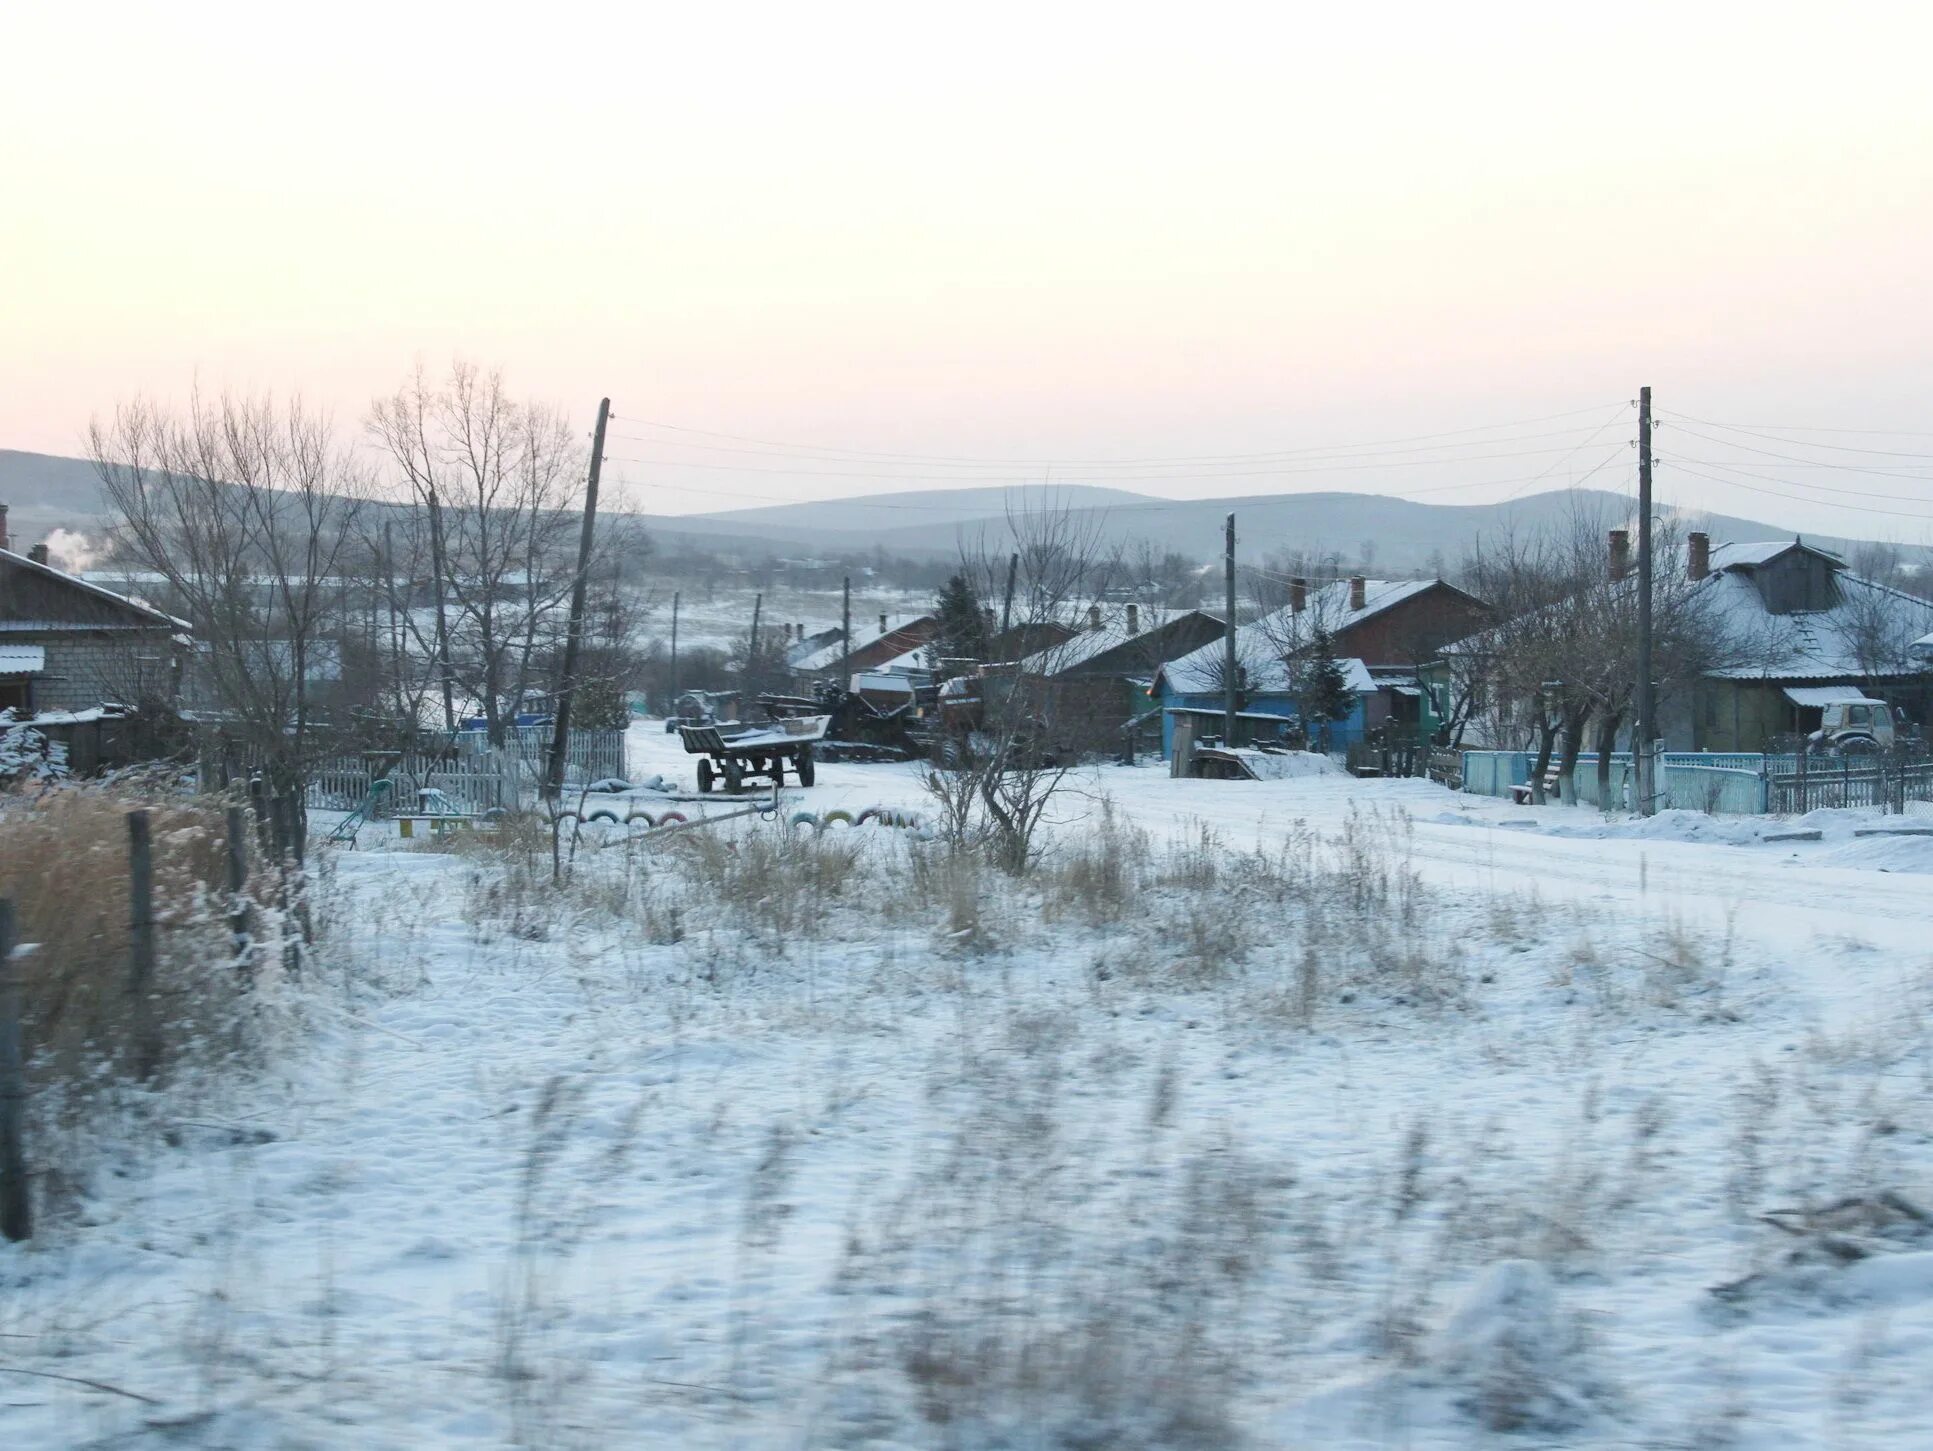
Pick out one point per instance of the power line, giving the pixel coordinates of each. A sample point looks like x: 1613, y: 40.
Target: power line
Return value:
x: 1798, y: 498
x: 1828, y: 489
x: 1800, y: 442
x: 1097, y: 463
x: 984, y: 479
x: 1803, y: 462
x: 1800, y: 428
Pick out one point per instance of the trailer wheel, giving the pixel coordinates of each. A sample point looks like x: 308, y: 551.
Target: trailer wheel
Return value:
x: 806, y: 773
x: 704, y: 776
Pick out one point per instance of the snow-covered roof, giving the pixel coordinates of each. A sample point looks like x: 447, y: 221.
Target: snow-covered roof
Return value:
x: 1258, y: 651
x: 1749, y: 554
x: 1076, y: 650
x: 22, y: 659
x: 1816, y: 696
x: 829, y: 655
x: 1259, y: 644
x: 1809, y: 644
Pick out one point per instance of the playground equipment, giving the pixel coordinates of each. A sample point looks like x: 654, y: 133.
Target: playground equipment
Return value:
x: 351, y: 825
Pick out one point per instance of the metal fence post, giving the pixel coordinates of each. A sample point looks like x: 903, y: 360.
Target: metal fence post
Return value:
x: 16, y: 1206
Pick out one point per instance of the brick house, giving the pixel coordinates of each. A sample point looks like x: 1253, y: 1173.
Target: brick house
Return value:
x: 68, y: 645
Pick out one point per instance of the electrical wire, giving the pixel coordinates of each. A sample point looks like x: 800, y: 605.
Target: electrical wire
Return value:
x: 1184, y: 477
x: 1798, y: 498
x: 1804, y: 462
x: 956, y: 459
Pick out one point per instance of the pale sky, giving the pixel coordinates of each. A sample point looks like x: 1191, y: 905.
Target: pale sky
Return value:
x: 1039, y: 232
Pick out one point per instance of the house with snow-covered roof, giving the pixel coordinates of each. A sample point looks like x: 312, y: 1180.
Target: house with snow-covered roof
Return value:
x: 1800, y: 629
x: 1382, y: 632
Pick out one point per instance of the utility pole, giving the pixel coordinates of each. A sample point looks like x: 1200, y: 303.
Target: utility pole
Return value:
x: 845, y: 633
x: 574, y: 631
x: 1229, y: 676
x: 1006, y: 609
x: 748, y: 680
x: 1647, y: 759
x: 442, y: 614
x: 673, y: 703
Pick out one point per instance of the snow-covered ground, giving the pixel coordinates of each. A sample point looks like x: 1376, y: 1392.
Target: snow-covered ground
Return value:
x: 1367, y: 1114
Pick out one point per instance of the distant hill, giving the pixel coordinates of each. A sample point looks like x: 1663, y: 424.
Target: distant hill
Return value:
x: 46, y: 492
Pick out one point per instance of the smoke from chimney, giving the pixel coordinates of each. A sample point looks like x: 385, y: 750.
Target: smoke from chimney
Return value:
x: 1620, y: 553
x: 1699, y: 551
x: 1358, y: 592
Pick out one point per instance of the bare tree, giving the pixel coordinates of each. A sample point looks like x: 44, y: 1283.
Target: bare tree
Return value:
x: 1009, y: 739
x: 493, y: 480
x: 246, y: 509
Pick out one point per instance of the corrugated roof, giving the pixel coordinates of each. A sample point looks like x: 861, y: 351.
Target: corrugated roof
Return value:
x: 22, y: 659
x: 828, y: 656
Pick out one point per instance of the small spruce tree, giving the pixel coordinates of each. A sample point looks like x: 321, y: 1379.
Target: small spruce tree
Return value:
x: 963, y: 627
x: 1326, y: 696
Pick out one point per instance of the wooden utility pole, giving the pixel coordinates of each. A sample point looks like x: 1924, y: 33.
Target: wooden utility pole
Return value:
x: 1646, y: 753
x: 16, y: 1206
x: 845, y: 632
x: 751, y: 655
x: 1006, y: 608
x: 672, y: 704
x: 574, y: 630
x: 1229, y: 670
x: 437, y: 570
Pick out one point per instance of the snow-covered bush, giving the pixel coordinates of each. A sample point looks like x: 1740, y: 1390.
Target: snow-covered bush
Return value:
x: 26, y: 754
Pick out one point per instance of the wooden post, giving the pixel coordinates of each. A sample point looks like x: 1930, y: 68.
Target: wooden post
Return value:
x: 141, y: 940
x: 237, y: 887
x: 16, y: 1207
x: 845, y: 633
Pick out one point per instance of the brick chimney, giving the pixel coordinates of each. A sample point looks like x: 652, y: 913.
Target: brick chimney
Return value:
x: 1093, y: 617
x: 1699, y: 555
x: 38, y: 554
x: 1620, y: 553
x: 1298, y: 595
x: 6, y: 540
x: 1358, y: 592
x: 882, y: 624
x: 1134, y: 621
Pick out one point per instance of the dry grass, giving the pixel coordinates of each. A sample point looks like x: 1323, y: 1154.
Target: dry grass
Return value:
x: 93, y: 1042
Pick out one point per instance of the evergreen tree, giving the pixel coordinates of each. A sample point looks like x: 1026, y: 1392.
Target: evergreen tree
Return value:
x: 963, y: 626
x: 1326, y: 696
